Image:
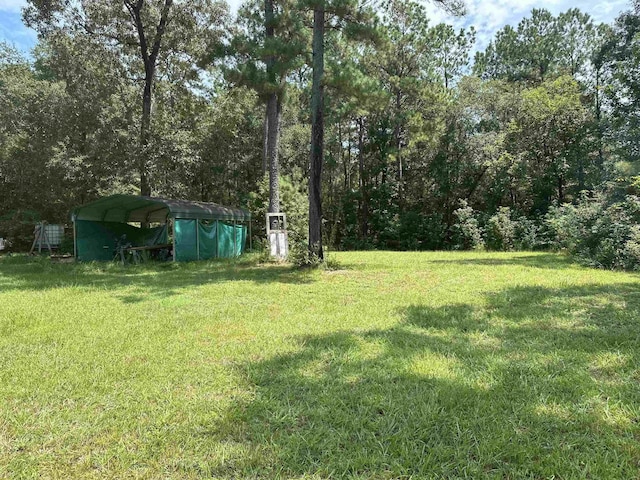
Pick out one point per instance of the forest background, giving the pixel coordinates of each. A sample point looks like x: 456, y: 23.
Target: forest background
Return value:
x: 429, y: 141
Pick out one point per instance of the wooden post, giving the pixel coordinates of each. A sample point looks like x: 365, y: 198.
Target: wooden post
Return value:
x: 40, y: 236
x: 35, y: 240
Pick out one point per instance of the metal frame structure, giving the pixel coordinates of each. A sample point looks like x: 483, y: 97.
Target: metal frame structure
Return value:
x: 134, y: 208
x: 41, y: 236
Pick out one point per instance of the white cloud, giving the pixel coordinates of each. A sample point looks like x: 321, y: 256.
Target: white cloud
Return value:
x: 12, y: 5
x: 489, y: 16
x: 608, y: 10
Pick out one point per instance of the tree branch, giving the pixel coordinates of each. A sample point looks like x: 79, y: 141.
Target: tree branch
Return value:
x: 160, y: 30
x: 137, y: 20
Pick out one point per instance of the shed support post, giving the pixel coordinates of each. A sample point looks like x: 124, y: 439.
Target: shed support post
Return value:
x: 173, y: 238
x: 75, y: 241
x: 197, y: 239
x: 217, y: 238
x: 235, y: 245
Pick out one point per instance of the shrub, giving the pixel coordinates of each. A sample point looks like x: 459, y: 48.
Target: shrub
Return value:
x: 421, y: 232
x: 529, y: 235
x: 466, y: 230
x: 17, y: 227
x: 501, y: 230
x: 631, y: 251
x: 598, y: 233
x: 300, y: 255
x: 563, y: 226
x: 66, y: 246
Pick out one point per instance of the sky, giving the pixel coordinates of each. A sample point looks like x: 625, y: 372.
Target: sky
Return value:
x: 487, y: 16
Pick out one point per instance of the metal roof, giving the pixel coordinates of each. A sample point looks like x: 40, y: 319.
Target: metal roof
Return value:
x: 134, y: 208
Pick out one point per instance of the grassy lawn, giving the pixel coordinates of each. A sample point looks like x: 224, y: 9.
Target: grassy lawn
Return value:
x: 396, y: 365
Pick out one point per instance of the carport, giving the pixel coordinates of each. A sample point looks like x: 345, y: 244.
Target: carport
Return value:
x: 189, y: 230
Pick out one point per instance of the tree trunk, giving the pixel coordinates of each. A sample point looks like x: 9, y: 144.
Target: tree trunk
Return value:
x: 272, y: 115
x: 364, y: 202
x: 347, y: 167
x: 397, y: 134
x: 145, y: 187
x: 149, y: 59
x: 274, y: 108
x: 317, y: 134
x: 265, y: 141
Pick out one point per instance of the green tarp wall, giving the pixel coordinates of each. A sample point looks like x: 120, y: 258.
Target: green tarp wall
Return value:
x: 97, y: 240
x: 201, y: 240
x: 207, y: 235
x: 185, y: 240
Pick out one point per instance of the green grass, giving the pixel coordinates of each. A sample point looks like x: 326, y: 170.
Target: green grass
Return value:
x: 396, y: 365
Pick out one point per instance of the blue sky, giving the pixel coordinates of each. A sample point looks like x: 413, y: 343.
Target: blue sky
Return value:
x: 488, y: 16
x: 11, y: 28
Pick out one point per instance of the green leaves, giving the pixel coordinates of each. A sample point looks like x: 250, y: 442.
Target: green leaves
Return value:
x: 542, y: 46
x: 250, y: 50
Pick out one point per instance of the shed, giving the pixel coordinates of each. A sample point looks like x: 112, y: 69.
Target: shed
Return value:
x: 192, y: 230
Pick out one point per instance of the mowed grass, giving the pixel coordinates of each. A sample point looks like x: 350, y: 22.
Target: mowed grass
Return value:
x: 395, y: 365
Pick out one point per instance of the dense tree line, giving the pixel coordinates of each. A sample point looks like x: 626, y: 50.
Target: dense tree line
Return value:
x: 423, y: 146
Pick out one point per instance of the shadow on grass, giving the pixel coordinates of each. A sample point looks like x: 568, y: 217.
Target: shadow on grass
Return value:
x: 548, y: 260
x: 153, y: 279
x: 533, y: 383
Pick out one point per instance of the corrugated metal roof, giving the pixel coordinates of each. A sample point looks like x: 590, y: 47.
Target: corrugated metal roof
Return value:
x: 135, y: 208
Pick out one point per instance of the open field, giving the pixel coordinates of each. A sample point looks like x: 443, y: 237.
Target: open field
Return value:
x: 395, y: 365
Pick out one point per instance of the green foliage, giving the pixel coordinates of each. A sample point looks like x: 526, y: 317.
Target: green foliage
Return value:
x: 17, y: 227
x: 620, y: 57
x: 466, y: 230
x: 529, y: 234
x: 450, y: 51
x: 500, y: 231
x: 550, y: 112
x: 421, y: 232
x: 549, y: 136
x: 540, y: 47
x: 302, y: 257
x: 283, y: 51
x: 599, y: 233
x: 224, y: 153
x: 66, y: 246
